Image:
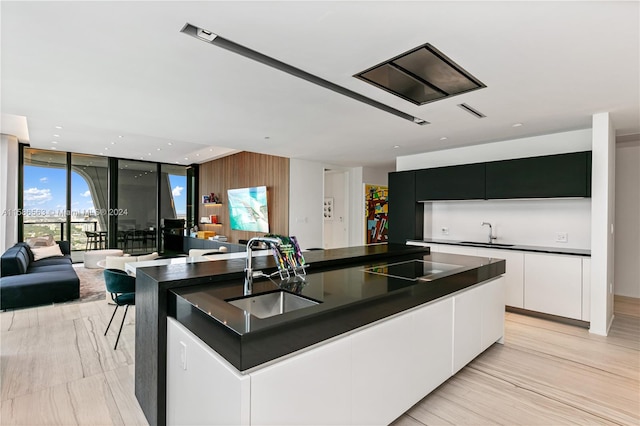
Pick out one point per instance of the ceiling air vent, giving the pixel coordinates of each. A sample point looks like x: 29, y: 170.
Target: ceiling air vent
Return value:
x: 421, y: 75
x: 472, y: 111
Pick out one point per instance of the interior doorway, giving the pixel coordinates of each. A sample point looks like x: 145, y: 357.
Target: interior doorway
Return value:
x: 336, y: 208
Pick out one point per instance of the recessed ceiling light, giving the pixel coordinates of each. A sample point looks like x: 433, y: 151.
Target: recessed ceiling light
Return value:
x: 54, y: 148
x: 186, y: 158
x: 157, y: 149
x: 102, y: 153
x: 169, y: 143
x: 120, y: 136
x: 444, y: 138
x: 420, y: 121
x: 396, y: 146
x: 113, y: 143
x: 516, y: 125
x: 142, y: 158
x: 126, y: 165
x: 149, y: 153
x: 54, y: 141
x: 197, y: 155
x: 211, y: 150
x: 58, y: 127
x: 106, y: 149
x: 56, y: 136
x: 267, y: 137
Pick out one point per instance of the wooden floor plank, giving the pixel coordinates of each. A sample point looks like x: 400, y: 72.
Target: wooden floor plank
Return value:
x: 57, y: 359
x: 629, y: 306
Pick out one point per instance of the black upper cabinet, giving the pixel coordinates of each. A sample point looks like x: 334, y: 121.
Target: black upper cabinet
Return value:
x: 406, y: 217
x: 464, y: 182
x: 562, y: 175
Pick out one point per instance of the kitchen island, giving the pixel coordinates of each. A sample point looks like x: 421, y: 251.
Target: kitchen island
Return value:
x: 216, y: 348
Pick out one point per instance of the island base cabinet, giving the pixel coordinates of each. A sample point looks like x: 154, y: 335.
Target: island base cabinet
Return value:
x: 202, y: 388
x: 367, y: 377
x: 311, y: 388
x: 396, y: 364
x: 478, y: 321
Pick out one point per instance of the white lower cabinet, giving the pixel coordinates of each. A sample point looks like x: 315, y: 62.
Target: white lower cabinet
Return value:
x: 367, y: 377
x: 543, y: 282
x: 395, y: 364
x: 314, y: 386
x: 514, y: 274
x: 553, y: 284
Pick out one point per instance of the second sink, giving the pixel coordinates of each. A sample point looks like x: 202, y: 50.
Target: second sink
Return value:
x: 266, y: 305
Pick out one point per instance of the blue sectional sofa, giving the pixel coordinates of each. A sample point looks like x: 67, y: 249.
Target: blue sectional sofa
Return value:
x: 25, y: 282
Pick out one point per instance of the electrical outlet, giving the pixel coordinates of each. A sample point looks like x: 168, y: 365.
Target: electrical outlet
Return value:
x: 562, y: 237
x: 445, y: 230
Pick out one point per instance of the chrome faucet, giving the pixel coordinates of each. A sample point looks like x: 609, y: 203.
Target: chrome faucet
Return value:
x: 491, y: 237
x: 248, y: 269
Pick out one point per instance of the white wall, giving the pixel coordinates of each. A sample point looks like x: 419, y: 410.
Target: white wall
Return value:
x: 602, y: 225
x: 306, y: 195
x: 525, y: 222
x: 627, y: 217
x: 336, y: 232
x: 8, y: 191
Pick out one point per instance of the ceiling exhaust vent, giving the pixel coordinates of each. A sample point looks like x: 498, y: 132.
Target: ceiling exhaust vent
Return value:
x: 472, y: 111
x: 421, y: 75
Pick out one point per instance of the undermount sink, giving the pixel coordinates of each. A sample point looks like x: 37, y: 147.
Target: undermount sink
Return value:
x: 266, y: 305
x: 477, y: 243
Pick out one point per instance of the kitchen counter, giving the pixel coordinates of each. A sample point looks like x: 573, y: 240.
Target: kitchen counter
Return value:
x: 152, y: 306
x: 348, y: 297
x: 498, y: 246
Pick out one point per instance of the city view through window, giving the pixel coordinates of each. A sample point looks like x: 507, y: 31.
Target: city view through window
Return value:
x: 45, y: 197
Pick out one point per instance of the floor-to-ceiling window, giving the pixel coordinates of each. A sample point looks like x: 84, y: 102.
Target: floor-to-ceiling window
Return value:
x: 137, y: 202
x: 100, y: 202
x: 44, y: 194
x: 173, y: 205
x: 89, y: 202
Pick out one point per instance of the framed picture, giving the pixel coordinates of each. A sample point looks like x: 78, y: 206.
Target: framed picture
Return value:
x: 206, y: 199
x: 328, y: 208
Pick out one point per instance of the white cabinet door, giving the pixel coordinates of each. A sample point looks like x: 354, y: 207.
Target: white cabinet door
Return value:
x: 311, y: 388
x: 514, y: 275
x: 553, y: 284
x: 381, y: 370
x: 202, y: 388
x: 492, y: 320
x: 467, y: 328
x: 432, y: 351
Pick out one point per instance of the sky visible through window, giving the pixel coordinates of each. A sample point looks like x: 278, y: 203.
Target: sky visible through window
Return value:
x: 45, y: 189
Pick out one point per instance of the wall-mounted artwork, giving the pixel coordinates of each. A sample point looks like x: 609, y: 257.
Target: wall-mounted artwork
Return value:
x: 376, y: 213
x: 328, y: 208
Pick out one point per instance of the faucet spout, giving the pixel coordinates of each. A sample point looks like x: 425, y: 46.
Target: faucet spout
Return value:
x: 248, y: 269
x: 491, y: 237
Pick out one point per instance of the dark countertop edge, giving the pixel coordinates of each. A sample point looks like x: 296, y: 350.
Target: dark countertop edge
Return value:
x: 253, y: 349
x: 515, y: 247
x: 183, y: 275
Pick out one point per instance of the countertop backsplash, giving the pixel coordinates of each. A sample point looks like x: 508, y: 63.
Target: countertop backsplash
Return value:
x: 534, y: 222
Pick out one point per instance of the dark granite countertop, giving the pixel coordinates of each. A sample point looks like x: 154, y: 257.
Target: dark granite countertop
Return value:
x: 516, y: 247
x: 349, y: 297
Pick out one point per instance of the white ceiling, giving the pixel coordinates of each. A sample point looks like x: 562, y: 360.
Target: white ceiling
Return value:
x: 102, y: 70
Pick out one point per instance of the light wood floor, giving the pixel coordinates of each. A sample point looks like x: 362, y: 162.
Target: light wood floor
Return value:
x: 58, y: 368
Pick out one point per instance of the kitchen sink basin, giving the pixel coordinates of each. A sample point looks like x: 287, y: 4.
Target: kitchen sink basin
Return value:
x: 477, y: 243
x: 266, y: 305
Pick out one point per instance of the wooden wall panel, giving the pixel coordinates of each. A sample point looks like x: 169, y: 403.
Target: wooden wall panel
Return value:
x: 242, y: 170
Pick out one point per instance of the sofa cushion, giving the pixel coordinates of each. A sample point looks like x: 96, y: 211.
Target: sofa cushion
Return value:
x: 46, y: 251
x: 43, y: 241
x: 38, y: 288
x: 117, y: 262
x: 37, y: 267
x: 58, y: 260
x: 14, y: 261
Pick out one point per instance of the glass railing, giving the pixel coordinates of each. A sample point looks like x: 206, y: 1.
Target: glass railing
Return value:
x: 57, y: 229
